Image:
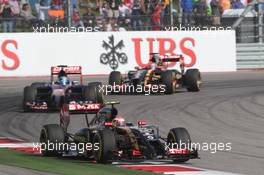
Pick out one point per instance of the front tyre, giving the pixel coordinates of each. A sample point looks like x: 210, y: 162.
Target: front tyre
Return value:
x: 30, y: 93
x: 182, y: 138
x: 52, y: 136
x: 105, y: 139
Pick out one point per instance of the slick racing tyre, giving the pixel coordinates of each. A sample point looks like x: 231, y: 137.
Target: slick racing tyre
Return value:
x: 105, y: 139
x: 98, y: 92
x: 182, y: 138
x: 91, y: 93
x: 192, y: 79
x: 167, y: 80
x: 115, y: 78
x: 51, y: 136
x: 29, y: 97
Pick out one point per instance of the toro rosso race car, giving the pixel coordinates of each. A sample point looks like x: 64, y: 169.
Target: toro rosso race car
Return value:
x: 111, y: 138
x: 51, y: 95
x: 159, y: 75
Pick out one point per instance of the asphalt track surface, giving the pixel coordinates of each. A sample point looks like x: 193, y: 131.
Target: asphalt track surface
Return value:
x: 229, y: 108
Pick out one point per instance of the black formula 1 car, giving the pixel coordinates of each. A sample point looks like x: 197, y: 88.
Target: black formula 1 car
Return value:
x: 51, y: 95
x: 158, y: 74
x: 113, y: 139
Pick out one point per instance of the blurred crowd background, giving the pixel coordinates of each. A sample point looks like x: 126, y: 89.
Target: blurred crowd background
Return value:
x: 114, y: 15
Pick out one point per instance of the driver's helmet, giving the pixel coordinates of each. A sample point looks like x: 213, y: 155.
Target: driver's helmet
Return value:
x: 62, y: 73
x: 64, y: 81
x: 156, y: 58
x: 152, y: 66
x: 119, y: 121
x: 108, y: 114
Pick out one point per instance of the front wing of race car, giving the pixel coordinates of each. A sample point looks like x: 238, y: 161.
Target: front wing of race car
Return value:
x: 172, y: 155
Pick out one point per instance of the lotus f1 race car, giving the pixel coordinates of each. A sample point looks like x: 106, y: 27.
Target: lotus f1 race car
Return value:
x: 113, y: 139
x: 51, y: 95
x: 159, y: 75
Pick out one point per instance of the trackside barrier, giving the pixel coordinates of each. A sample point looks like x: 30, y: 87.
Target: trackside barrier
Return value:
x: 250, y: 56
x: 32, y: 54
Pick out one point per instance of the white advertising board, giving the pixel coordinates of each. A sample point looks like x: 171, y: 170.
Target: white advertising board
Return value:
x: 32, y: 54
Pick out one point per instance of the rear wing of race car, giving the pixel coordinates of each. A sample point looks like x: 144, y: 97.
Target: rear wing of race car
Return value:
x: 69, y: 70
x: 176, y: 58
x: 163, y: 60
x: 84, y: 108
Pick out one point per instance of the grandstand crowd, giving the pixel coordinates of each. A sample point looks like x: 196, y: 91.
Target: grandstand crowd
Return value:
x: 113, y: 15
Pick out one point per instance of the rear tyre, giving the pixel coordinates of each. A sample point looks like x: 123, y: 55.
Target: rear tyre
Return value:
x: 167, y: 80
x: 115, y: 78
x: 92, y: 93
x: 29, y: 97
x: 107, y: 144
x: 98, y: 90
x: 192, y: 79
x: 180, y: 136
x: 51, y: 136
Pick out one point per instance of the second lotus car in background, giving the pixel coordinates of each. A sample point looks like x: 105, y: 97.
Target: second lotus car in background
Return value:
x: 157, y: 73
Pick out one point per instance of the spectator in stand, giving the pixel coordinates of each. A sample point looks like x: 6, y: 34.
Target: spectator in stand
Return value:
x: 14, y: 7
x: 8, y: 17
x: 155, y: 18
x: 22, y: 2
x: 187, y: 11
x: 56, y: 4
x: 162, y: 12
x: 89, y: 18
x: 237, y: 4
x: 104, y: 11
x: 110, y: 25
x: 114, y: 4
x: 76, y: 19
x: 136, y: 15
x: 224, y: 5
x: 200, y: 12
x: 26, y: 13
x: 124, y: 14
x: 124, y: 11
x: 43, y: 8
x: 165, y: 13
x: 215, y: 12
x: 128, y: 3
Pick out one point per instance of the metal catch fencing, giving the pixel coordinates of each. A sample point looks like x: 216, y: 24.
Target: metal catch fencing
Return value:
x: 250, y: 56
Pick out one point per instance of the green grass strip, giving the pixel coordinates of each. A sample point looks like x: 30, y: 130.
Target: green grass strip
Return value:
x: 65, y: 166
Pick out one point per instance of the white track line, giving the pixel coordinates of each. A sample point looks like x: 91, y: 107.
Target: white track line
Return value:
x: 16, y: 145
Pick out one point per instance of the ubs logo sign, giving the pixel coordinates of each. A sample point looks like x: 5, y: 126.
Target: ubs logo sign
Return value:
x: 113, y: 55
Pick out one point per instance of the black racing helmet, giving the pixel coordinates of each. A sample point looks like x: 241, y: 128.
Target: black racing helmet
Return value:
x: 62, y: 73
x: 108, y: 113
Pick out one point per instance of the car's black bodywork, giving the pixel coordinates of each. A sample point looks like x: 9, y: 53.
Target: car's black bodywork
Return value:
x: 157, y: 73
x: 122, y: 142
x: 51, y: 95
